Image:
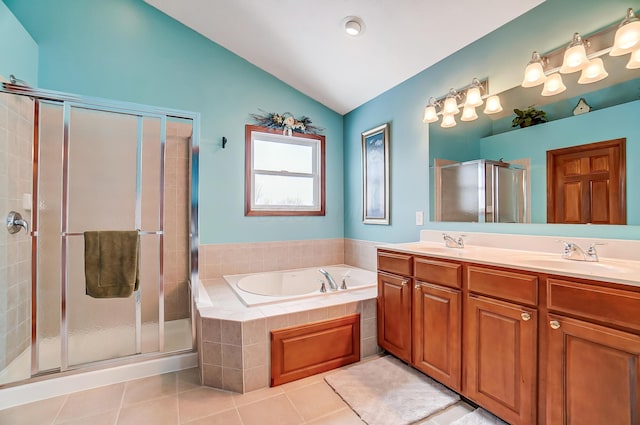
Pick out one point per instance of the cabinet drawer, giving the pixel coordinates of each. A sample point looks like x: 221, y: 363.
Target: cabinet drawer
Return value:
x: 519, y: 287
x: 395, y: 263
x: 440, y: 272
x: 602, y: 304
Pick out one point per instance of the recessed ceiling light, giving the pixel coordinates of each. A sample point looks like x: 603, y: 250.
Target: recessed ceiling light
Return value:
x: 353, y: 25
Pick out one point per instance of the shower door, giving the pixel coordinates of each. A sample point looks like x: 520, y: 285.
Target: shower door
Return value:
x: 16, y: 131
x: 71, y: 165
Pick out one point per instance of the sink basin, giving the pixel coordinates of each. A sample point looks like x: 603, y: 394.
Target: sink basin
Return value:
x: 574, y: 266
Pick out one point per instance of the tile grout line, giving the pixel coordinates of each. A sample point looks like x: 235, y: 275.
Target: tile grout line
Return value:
x: 55, y: 418
x: 124, y: 391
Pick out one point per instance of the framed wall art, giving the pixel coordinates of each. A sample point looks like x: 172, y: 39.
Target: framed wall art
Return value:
x: 375, y: 175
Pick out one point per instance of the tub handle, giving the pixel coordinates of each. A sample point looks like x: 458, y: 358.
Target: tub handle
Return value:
x: 344, y: 284
x: 323, y: 288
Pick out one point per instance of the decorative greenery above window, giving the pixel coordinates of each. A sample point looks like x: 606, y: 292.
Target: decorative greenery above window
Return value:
x: 284, y: 175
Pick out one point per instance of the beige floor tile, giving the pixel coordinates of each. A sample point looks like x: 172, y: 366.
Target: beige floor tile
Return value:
x: 290, y: 386
x: 279, y: 410
x: 188, y: 379
x: 161, y: 411
x: 104, y: 418
x: 91, y: 402
x: 228, y: 417
x: 146, y: 389
x: 202, y: 402
x: 41, y: 412
x: 257, y: 395
x: 315, y: 401
x: 341, y: 417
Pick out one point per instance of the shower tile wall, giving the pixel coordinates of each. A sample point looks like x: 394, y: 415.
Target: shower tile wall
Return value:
x: 176, y: 231
x: 16, y: 133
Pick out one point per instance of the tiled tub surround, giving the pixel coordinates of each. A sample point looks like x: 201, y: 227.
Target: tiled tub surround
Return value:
x: 234, y: 339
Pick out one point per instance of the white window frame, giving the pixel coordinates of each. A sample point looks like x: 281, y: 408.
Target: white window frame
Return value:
x: 316, y: 142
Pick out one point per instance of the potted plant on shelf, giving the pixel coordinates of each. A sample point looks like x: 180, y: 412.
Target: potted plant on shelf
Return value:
x: 528, y: 117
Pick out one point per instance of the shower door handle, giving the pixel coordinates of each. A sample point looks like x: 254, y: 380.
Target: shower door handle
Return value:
x: 15, y: 222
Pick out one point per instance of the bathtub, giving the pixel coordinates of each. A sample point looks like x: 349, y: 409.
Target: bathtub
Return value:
x: 271, y: 287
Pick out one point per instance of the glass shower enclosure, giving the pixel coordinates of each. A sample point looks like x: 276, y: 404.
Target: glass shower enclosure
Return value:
x: 481, y: 191
x: 73, y: 165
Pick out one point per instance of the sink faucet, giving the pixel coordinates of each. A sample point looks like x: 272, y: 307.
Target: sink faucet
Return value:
x: 452, y: 243
x: 332, y: 283
x: 572, y: 251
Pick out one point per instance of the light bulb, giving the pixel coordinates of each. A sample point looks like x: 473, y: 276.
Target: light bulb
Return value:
x: 634, y: 60
x: 627, y: 36
x: 493, y: 105
x: 553, y: 85
x: 473, y: 98
x: 450, y: 106
x: 575, y: 57
x: 430, y: 114
x: 469, y: 113
x: 534, y: 72
x: 352, y: 28
x: 593, y: 72
x: 448, y: 121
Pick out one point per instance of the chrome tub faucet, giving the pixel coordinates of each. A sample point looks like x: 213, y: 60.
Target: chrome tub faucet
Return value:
x: 332, y: 283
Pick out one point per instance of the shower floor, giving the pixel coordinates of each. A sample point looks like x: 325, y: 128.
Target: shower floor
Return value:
x: 177, y: 337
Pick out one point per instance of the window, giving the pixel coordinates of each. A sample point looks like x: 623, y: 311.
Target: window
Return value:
x: 284, y: 175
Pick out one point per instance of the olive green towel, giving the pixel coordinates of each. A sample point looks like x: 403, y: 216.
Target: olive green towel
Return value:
x: 111, y: 263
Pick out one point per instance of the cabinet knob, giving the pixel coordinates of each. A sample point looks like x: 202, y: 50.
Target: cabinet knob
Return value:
x: 525, y: 316
x: 554, y: 324
x: 417, y: 286
x: 404, y: 282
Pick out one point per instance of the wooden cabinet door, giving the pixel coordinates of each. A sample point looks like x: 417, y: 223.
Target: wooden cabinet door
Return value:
x: 436, y: 326
x: 394, y: 315
x: 499, y: 355
x: 593, y: 374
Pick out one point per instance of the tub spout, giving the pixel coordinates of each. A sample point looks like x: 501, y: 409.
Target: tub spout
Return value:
x: 332, y: 283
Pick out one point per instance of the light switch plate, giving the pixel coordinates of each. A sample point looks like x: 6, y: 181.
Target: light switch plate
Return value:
x: 419, y: 218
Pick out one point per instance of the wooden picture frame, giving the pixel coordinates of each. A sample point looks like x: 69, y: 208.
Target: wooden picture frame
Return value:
x: 375, y: 175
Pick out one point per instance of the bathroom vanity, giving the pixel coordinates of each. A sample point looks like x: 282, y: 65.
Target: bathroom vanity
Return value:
x: 531, y: 337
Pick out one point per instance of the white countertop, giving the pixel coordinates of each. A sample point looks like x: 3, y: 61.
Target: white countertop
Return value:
x: 626, y: 272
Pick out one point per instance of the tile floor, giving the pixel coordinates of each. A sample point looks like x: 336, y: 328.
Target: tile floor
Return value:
x: 178, y: 399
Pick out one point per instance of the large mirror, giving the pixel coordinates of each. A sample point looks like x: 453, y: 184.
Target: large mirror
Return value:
x: 615, y: 108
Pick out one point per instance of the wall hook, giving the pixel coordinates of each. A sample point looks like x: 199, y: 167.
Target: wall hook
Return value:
x: 224, y: 142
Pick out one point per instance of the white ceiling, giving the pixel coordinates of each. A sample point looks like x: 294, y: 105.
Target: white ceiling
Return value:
x: 303, y: 42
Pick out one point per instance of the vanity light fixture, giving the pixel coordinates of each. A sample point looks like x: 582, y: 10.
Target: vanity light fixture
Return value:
x: 627, y: 38
x: 593, y: 72
x: 634, y: 60
x: 575, y: 57
x: 553, y: 85
x: 493, y: 105
x: 534, y: 72
x: 449, y: 105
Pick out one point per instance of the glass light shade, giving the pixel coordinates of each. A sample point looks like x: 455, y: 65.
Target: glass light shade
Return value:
x: 634, y: 60
x: 533, y: 75
x: 553, y: 85
x: 430, y: 114
x: 474, y: 98
x: 593, y: 72
x: 448, y: 121
x: 627, y: 36
x: 575, y: 59
x: 469, y: 113
x: 352, y: 27
x: 450, y: 106
x: 493, y: 105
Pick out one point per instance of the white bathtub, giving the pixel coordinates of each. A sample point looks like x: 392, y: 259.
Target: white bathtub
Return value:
x: 264, y: 288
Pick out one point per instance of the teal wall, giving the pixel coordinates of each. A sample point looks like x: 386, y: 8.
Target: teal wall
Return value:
x: 19, y: 50
x: 127, y: 50
x: 502, y: 56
